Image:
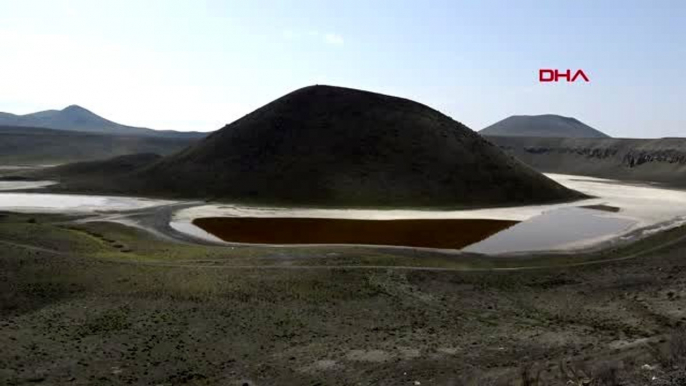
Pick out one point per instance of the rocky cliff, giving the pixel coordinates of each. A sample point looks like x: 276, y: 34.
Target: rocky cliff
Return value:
x: 656, y: 160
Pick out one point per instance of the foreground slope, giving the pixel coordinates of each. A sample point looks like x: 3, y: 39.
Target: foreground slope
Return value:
x: 548, y: 125
x: 660, y: 160
x: 22, y: 145
x: 77, y: 118
x: 99, y: 303
x: 331, y: 146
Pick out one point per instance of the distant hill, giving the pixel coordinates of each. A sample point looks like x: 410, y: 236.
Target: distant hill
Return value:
x: 332, y: 146
x: 542, y: 126
x: 76, y: 118
x: 23, y: 145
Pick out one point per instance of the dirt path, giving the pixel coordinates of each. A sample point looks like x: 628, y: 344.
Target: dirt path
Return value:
x: 32, y: 247
x: 154, y: 220
x: 209, y: 264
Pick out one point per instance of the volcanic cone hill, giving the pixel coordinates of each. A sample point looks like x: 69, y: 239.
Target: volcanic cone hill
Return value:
x: 548, y: 125
x: 331, y: 146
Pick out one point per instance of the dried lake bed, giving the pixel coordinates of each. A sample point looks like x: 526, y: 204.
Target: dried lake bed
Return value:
x: 23, y: 185
x: 617, y: 212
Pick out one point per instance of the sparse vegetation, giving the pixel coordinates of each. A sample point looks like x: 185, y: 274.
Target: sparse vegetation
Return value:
x: 73, y: 303
x: 530, y: 376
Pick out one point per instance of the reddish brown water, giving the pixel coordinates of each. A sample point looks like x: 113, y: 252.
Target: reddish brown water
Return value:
x: 449, y: 234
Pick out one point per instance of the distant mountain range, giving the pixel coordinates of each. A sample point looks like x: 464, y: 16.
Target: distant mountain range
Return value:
x: 548, y: 125
x: 77, y: 118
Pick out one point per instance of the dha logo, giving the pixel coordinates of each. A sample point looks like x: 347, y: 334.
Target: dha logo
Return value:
x: 547, y: 75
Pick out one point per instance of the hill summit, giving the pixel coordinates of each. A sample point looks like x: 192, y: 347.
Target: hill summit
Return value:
x: 548, y: 125
x: 333, y: 146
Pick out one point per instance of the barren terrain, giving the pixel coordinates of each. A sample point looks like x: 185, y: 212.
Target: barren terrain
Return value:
x: 101, y: 303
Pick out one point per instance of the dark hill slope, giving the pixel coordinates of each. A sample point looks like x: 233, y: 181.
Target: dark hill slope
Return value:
x: 77, y: 118
x: 92, y: 176
x: 659, y: 160
x: 548, y: 125
x: 21, y: 145
x: 114, y: 166
x: 330, y: 146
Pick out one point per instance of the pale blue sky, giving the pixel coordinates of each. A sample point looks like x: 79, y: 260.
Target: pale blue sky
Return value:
x: 194, y: 65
